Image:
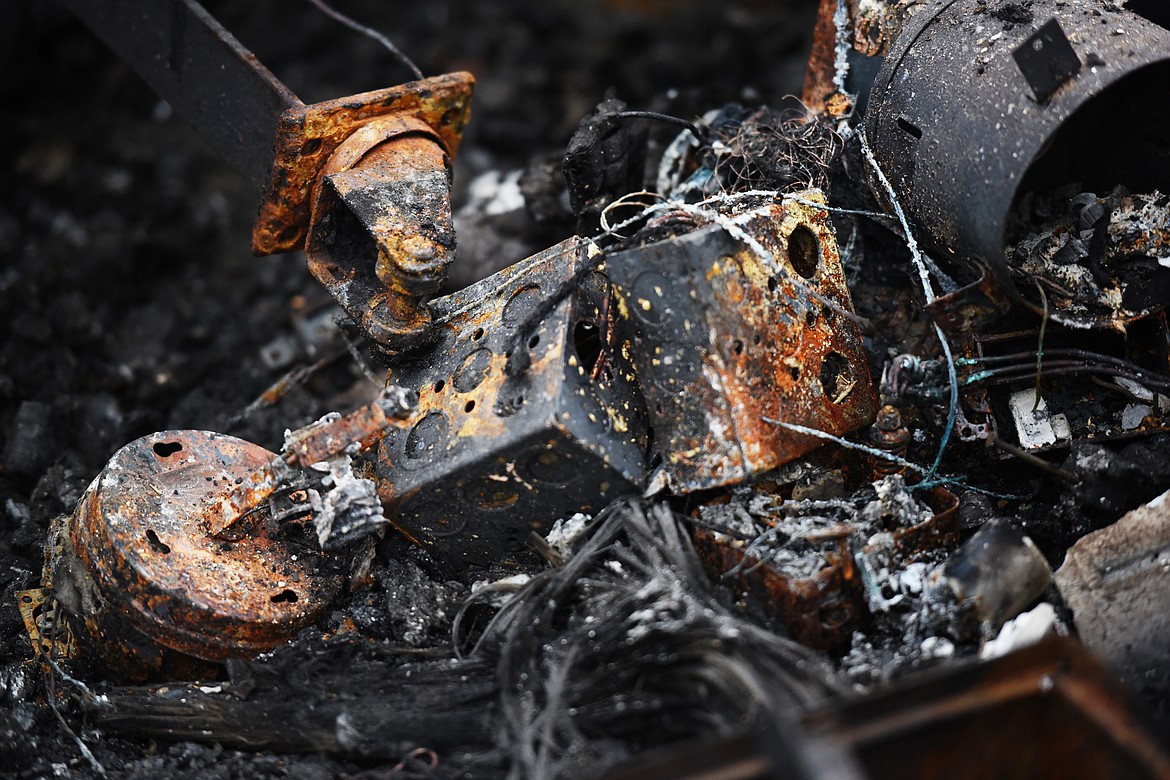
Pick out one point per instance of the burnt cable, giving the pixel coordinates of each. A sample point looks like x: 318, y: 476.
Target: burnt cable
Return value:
x: 674, y: 120
x: 1040, y: 346
x: 369, y: 32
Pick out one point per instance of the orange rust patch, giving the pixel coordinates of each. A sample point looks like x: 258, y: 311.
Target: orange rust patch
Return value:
x: 307, y: 136
x: 141, y: 574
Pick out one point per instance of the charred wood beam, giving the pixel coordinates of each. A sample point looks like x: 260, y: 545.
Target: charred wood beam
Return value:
x: 362, y: 711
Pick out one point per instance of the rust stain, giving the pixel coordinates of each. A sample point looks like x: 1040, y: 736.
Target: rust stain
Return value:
x: 389, y: 183
x: 818, y: 78
x: 870, y: 29
x: 750, y: 335
x: 820, y: 611
x: 148, y: 587
x: 360, y: 429
x: 307, y: 137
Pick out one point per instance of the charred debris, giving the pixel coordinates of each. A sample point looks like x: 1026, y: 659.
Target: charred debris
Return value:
x: 827, y: 439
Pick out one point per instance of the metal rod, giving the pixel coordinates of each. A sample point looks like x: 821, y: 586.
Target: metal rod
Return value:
x: 215, y: 84
x: 1035, y: 460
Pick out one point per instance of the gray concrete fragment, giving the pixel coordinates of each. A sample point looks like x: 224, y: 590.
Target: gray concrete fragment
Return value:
x: 1117, y: 583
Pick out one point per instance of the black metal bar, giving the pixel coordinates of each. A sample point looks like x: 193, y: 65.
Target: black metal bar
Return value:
x: 214, y: 83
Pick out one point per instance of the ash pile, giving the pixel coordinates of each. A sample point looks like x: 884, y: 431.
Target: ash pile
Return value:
x: 817, y: 437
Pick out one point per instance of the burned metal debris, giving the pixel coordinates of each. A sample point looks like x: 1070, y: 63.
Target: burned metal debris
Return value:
x: 146, y: 586
x: 1012, y: 115
x: 468, y: 544
x: 491, y: 455
x: 194, y: 546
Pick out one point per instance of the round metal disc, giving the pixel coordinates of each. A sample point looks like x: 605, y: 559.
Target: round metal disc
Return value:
x: 144, y: 532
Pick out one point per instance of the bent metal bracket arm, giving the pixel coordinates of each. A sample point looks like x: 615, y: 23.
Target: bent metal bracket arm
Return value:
x: 376, y: 151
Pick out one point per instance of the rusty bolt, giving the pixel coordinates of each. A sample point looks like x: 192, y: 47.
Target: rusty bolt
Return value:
x: 889, y: 435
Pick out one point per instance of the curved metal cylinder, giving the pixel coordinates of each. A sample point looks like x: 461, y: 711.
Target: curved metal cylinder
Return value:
x: 381, y: 236
x: 975, y: 108
x: 151, y: 592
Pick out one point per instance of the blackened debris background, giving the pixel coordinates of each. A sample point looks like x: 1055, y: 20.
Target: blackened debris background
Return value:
x: 129, y: 302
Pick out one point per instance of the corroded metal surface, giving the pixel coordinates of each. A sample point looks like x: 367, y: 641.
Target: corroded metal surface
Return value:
x: 849, y: 40
x: 307, y: 137
x: 149, y: 588
x: 819, y: 611
x: 357, y: 431
x: 381, y: 236
x: 722, y: 335
x: 1048, y: 711
x: 489, y: 456
x: 677, y: 349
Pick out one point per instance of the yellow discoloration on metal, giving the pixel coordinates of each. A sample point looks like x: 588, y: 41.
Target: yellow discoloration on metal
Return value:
x: 622, y: 306
x: 50, y: 635
x: 776, y: 345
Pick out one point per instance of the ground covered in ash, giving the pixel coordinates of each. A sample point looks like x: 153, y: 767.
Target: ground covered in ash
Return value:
x: 130, y: 304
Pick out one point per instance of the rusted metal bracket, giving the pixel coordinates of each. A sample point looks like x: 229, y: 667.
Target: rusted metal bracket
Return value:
x: 380, y: 226
x: 308, y: 135
x: 381, y: 237
x: 50, y: 634
x: 305, y: 449
x: 363, y: 185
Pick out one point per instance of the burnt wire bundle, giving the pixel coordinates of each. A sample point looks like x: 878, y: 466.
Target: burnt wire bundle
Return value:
x: 786, y: 150
x: 628, y: 646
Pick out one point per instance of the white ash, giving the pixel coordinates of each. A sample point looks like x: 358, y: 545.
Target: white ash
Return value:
x: 1022, y: 631
x: 937, y: 647
x: 497, y: 592
x: 493, y: 193
x: 566, y: 531
x: 349, y: 509
x: 895, y: 507
x: 734, y: 519
x: 915, y: 620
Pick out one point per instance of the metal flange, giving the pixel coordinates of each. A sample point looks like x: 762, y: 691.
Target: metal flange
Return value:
x: 150, y: 589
